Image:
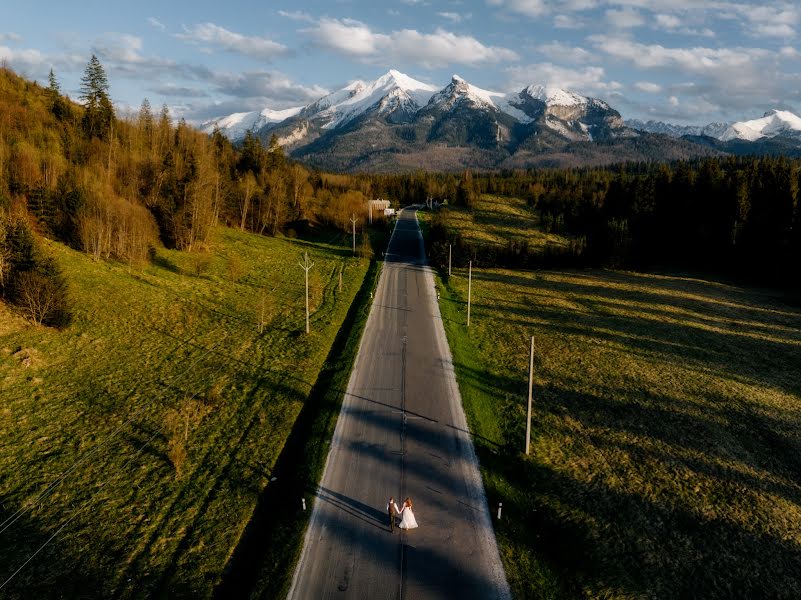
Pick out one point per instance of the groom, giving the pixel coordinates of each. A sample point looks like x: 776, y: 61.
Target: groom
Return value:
x: 392, y: 510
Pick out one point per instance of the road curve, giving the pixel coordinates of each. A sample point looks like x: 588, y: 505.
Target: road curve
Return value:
x: 401, y: 432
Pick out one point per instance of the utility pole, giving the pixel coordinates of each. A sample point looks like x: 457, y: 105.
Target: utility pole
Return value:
x: 469, y: 290
x: 353, y: 220
x: 449, y: 259
x: 306, y: 266
x: 530, y: 386
x: 340, y: 280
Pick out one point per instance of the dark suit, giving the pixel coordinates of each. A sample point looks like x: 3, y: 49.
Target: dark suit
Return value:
x: 392, y: 509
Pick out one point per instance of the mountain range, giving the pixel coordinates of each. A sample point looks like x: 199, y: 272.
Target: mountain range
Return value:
x: 398, y: 123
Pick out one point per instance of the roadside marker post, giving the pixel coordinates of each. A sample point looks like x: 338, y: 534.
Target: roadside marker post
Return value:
x: 303, y: 502
x: 530, y: 387
x: 500, y: 507
x: 469, y: 291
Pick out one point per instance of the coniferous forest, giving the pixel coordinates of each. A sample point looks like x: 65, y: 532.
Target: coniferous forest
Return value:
x: 737, y: 216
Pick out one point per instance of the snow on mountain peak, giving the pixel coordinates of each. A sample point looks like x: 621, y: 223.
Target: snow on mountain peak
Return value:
x: 390, y: 91
x: 236, y: 124
x: 555, y: 96
x: 773, y: 123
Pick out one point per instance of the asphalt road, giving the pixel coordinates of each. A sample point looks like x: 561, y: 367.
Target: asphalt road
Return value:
x: 401, y: 432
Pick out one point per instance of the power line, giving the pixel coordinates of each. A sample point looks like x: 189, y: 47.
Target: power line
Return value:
x: 75, y: 514
x: 9, y: 521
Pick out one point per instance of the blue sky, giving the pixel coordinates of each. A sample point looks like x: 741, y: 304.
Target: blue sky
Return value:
x: 683, y: 61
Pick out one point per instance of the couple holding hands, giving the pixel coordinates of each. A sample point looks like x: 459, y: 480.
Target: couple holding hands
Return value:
x: 407, y: 516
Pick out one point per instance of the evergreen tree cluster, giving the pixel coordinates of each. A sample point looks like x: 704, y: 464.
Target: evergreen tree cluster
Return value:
x: 737, y: 215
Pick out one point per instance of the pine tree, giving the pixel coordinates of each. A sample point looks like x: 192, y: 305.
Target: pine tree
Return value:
x: 57, y: 105
x: 275, y: 154
x: 98, y: 112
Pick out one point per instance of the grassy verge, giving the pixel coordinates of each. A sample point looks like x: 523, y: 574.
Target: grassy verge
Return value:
x: 264, y: 562
x: 666, y: 443
x: 164, y: 406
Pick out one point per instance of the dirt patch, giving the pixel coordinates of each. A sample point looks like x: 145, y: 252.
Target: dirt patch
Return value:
x: 28, y: 357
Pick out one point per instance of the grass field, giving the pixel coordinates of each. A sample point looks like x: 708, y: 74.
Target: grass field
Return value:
x: 666, y: 444
x: 494, y: 220
x: 159, y: 414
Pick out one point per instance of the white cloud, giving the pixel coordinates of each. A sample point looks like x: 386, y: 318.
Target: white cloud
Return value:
x: 567, y: 22
x: 154, y: 22
x: 668, y: 21
x: 118, y: 47
x: 252, y: 46
x: 673, y: 100
x: 439, y: 49
x: 455, y: 17
x: 10, y: 37
x: 33, y: 63
x: 589, y: 80
x: 648, y: 87
x: 529, y: 8
x: 558, y: 51
x: 696, y: 59
x: 737, y: 79
x: 774, y: 30
x: 624, y: 19
x: 297, y: 15
x: 272, y: 85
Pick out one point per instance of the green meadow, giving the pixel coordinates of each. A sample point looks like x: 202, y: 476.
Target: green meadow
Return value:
x: 136, y: 443
x: 666, y: 439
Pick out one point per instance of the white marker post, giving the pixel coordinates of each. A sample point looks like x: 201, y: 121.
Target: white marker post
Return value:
x: 530, y: 386
x: 303, y: 502
x: 469, y: 291
x: 500, y: 507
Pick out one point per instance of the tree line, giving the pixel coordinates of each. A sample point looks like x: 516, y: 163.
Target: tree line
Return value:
x: 731, y: 215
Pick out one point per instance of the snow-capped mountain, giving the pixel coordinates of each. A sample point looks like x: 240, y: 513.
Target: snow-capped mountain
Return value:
x: 772, y: 124
x: 399, y: 98
x: 714, y: 130
x: 397, y: 122
x: 391, y: 94
x: 235, y: 125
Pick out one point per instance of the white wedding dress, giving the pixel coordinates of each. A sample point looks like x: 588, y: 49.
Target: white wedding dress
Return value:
x: 407, y: 521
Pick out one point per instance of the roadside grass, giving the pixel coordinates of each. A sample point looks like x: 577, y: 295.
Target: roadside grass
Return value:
x: 666, y: 442
x: 264, y: 570
x: 164, y: 408
x: 495, y: 220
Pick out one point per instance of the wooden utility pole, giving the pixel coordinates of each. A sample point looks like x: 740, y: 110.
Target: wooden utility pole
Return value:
x: 306, y: 266
x: 469, y: 290
x: 530, y: 388
x: 353, y: 220
x: 449, y: 259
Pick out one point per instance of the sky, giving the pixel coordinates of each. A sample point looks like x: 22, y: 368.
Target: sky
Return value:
x: 681, y: 61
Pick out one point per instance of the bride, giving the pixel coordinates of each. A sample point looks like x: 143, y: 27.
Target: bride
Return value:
x: 407, y: 516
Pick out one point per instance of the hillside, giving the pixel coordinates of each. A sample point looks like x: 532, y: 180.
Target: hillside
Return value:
x: 143, y: 420
x: 159, y: 413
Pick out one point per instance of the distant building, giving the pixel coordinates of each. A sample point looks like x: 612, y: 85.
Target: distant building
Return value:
x: 380, y: 204
x: 389, y: 212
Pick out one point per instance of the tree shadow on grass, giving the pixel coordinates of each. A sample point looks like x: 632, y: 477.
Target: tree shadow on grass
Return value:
x: 642, y: 494
x: 59, y: 570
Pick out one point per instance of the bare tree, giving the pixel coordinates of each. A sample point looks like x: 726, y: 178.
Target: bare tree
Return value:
x: 38, y: 297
